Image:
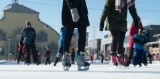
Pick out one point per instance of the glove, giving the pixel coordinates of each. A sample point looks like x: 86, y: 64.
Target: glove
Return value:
x: 75, y: 15
x: 101, y: 26
x: 136, y: 24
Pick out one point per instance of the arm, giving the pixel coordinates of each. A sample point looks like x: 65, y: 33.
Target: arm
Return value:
x: 131, y: 31
x: 133, y: 13
x: 34, y: 34
x: 107, y: 9
x: 135, y: 40
x: 22, y: 35
x: 70, y: 4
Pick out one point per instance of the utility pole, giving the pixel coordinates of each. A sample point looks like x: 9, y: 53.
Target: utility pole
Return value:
x: 94, y: 30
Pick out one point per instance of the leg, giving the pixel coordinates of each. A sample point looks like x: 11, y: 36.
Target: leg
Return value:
x: 27, y: 50
x: 46, y: 61
x: 49, y: 61
x: 135, y: 57
x: 115, y: 38
x: 59, y: 55
x: 120, y: 42
x: 19, y: 56
x: 34, y: 53
x: 150, y: 58
x: 82, y: 37
x: 67, y: 39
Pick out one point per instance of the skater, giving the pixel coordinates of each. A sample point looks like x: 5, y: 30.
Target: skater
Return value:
x: 132, y: 32
x: 20, y: 51
x: 47, y: 55
x: 101, y: 57
x: 28, y: 37
x: 73, y: 55
x: 139, y: 40
x: 61, y: 44
x: 91, y: 58
x: 116, y: 13
x: 75, y: 15
x: 39, y: 57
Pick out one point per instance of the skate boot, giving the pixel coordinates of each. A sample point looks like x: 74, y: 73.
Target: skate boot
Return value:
x: 113, y: 61
x: 81, y: 61
x: 58, y: 57
x: 121, y: 61
x: 66, y: 61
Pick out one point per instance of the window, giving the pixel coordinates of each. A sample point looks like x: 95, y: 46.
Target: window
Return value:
x: 2, y: 35
x: 42, y: 36
x: 1, y: 51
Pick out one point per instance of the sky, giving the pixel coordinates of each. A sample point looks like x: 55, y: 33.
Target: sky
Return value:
x: 50, y: 13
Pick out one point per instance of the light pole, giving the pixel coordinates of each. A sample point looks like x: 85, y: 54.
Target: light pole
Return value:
x: 9, y: 48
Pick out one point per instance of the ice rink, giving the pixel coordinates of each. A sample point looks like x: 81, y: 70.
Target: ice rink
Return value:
x: 96, y: 71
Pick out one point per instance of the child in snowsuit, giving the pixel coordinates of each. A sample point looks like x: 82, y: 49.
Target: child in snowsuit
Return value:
x: 39, y: 57
x: 115, y: 14
x: 139, y: 40
x: 132, y: 32
x: 61, y: 44
x: 20, y: 51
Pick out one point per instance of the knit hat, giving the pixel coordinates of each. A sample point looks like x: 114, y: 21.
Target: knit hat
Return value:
x: 28, y: 23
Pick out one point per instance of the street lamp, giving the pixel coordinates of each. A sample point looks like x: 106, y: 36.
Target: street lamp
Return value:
x: 9, y: 40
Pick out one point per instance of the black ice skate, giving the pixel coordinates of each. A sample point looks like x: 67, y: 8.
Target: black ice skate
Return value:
x: 58, y: 57
x: 81, y: 61
x: 66, y: 61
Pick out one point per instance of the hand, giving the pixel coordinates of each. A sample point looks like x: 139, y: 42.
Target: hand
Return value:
x: 101, y: 26
x: 136, y: 23
x: 33, y: 41
x: 75, y: 15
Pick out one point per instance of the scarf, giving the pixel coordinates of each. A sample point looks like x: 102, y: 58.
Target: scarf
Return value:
x: 119, y: 4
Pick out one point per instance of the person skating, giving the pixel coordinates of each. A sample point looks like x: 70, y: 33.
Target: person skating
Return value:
x: 132, y: 32
x: 28, y: 37
x: 91, y: 58
x: 75, y: 15
x: 101, y: 57
x: 61, y: 45
x: 139, y: 40
x: 116, y: 13
x: 39, y: 57
x: 20, y: 51
x: 47, y: 54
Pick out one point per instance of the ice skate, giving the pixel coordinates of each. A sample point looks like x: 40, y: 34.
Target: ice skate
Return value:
x: 113, y: 62
x: 66, y: 61
x: 58, y: 57
x: 82, y: 62
x: 121, y: 62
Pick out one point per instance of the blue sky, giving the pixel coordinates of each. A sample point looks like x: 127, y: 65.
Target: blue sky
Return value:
x: 50, y: 13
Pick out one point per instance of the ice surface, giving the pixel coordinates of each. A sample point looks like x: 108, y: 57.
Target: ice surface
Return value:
x: 10, y: 70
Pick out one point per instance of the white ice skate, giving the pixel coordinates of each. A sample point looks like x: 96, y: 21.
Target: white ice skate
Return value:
x: 66, y: 61
x: 82, y: 62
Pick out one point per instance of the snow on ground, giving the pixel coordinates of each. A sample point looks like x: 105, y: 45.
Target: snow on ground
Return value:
x: 10, y: 70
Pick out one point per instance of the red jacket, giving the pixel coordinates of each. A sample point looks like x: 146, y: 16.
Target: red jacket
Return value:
x: 47, y: 53
x: 20, y: 48
x: 91, y: 57
x: 132, y: 32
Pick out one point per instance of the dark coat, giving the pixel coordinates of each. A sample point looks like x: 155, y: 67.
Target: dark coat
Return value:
x: 82, y: 11
x: 28, y: 35
x: 115, y: 19
x: 47, y: 53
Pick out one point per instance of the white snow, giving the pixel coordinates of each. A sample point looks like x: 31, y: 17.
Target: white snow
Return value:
x: 10, y: 70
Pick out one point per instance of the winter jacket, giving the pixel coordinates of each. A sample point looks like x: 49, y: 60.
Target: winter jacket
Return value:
x: 62, y: 36
x: 39, y: 56
x: 47, y: 53
x: 139, y: 41
x: 82, y: 11
x: 115, y: 19
x: 20, y: 48
x: 101, y: 56
x: 132, y: 32
x: 28, y: 35
x: 91, y: 57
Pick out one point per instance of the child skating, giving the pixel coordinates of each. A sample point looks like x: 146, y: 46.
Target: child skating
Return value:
x: 139, y: 40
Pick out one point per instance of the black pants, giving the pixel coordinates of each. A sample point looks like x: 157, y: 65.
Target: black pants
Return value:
x: 47, y: 61
x: 117, y: 41
x: 81, y: 40
x: 32, y: 47
x: 150, y: 58
x: 101, y: 61
x: 19, y: 56
x: 130, y: 55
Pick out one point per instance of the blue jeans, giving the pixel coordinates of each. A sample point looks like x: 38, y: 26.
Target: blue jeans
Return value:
x: 138, y: 56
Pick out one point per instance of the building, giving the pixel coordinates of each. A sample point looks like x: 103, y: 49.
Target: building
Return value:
x: 13, y: 21
x: 94, y: 46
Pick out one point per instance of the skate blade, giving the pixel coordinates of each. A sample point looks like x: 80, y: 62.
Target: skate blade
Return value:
x: 84, y: 69
x: 112, y: 67
x: 66, y: 68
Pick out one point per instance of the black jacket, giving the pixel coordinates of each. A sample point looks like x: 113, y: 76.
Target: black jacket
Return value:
x: 28, y: 35
x: 82, y: 11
